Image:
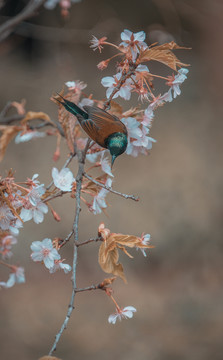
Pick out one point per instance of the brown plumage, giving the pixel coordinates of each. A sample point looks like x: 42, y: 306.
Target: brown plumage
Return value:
x: 105, y: 129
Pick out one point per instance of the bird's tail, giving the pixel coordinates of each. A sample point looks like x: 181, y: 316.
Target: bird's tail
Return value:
x: 71, y: 107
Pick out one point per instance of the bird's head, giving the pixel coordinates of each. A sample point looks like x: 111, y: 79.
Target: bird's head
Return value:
x: 116, y: 143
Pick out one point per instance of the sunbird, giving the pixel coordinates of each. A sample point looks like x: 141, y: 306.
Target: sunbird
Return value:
x: 105, y: 129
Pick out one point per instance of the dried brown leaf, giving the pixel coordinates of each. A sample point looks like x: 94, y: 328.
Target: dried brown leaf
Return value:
x: 32, y: 115
x: 163, y: 54
x: 108, y: 259
x: 8, y: 133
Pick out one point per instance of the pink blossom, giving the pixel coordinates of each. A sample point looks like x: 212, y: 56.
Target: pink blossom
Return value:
x: 105, y: 165
x: 76, y: 86
x: 141, y: 145
x: 161, y: 99
x: 28, y: 135
x: 44, y: 251
x: 148, y: 117
x: 99, y: 202
x: 142, y: 68
x: 97, y: 43
x: 133, y: 41
x: 132, y: 126
x: 8, y: 221
x: 176, y: 80
x: 86, y: 101
x: 145, y: 239
x: 126, y: 313
x: 17, y: 276
x: 111, y: 82
x: 58, y: 264
x: 33, y: 207
x: 63, y: 180
x: 6, y: 245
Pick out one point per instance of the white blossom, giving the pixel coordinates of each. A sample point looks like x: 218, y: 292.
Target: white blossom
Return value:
x: 99, y: 202
x: 44, y: 251
x: 111, y: 82
x: 63, y: 180
x: 29, y: 135
x: 126, y: 313
x: 16, y: 276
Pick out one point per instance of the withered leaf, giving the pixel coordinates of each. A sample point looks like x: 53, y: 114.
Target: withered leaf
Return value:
x: 163, y: 54
x: 108, y: 259
x: 8, y: 133
x: 31, y: 115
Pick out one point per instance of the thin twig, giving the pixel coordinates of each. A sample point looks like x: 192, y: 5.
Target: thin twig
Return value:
x: 66, y: 239
x: 92, y: 287
x: 135, y: 198
x: 89, y: 241
x: 81, y: 160
x: 121, y: 82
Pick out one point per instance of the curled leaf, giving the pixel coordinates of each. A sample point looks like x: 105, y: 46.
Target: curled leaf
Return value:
x: 108, y: 259
x: 163, y: 54
x: 8, y: 133
x: 31, y: 115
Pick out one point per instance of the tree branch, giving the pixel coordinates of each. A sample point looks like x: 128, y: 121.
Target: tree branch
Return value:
x: 81, y: 155
x: 135, y: 198
x: 29, y: 10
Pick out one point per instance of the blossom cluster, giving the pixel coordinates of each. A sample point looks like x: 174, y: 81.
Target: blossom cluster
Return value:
x: 30, y: 200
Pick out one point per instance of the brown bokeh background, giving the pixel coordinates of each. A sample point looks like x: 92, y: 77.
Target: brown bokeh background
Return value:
x: 177, y: 289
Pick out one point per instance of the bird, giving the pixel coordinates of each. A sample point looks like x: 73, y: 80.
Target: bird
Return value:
x: 105, y: 129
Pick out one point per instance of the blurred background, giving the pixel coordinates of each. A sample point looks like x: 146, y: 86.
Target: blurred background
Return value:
x: 177, y: 289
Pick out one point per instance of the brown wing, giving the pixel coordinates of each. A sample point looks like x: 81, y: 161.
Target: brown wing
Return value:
x: 101, y: 124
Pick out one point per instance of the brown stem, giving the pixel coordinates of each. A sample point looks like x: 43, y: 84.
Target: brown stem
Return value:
x: 135, y: 198
x: 123, y: 79
x: 81, y: 155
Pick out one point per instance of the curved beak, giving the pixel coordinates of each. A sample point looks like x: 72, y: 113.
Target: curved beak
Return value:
x: 113, y: 159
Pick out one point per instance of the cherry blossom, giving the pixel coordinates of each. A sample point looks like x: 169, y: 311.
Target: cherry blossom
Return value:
x: 63, y: 180
x: 97, y: 43
x: 142, y: 68
x: 77, y: 85
x: 6, y: 245
x: 58, y: 264
x: 148, y: 117
x: 176, y: 80
x: 28, y: 135
x: 44, y: 251
x: 132, y: 126
x: 8, y: 221
x: 141, y: 145
x: 145, y: 239
x: 6, y: 217
x: 105, y: 165
x: 112, y: 81
x: 161, y: 99
x: 99, y: 202
x: 133, y: 41
x: 33, y: 207
x: 126, y: 313
x: 17, y: 276
x: 86, y: 101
